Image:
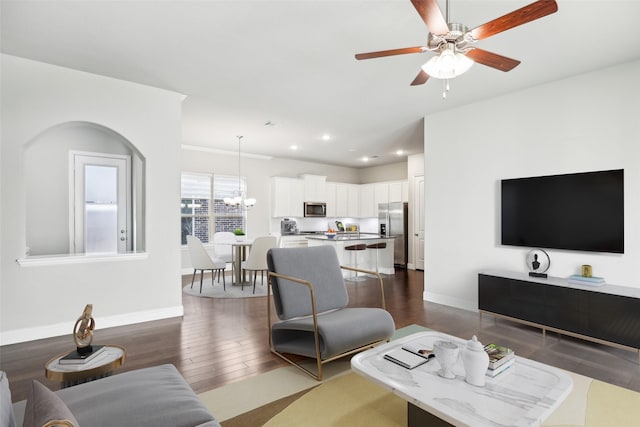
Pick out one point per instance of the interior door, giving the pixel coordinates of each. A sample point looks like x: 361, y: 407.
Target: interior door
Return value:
x: 418, y: 219
x: 101, y: 208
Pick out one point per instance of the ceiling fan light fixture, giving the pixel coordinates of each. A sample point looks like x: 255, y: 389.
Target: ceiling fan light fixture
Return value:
x: 448, y: 65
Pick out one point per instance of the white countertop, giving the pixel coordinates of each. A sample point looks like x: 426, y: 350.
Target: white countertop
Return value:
x: 624, y: 291
x: 350, y: 237
x: 524, y: 395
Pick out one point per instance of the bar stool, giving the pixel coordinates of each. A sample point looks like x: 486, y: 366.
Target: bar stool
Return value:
x: 355, y: 249
x: 378, y: 247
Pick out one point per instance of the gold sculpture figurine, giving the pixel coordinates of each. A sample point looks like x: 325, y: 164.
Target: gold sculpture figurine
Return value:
x: 83, y: 331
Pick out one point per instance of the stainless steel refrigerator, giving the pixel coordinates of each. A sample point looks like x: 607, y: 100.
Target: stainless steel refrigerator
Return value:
x: 393, y: 222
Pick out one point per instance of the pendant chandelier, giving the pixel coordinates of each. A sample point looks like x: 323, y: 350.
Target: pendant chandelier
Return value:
x: 240, y: 199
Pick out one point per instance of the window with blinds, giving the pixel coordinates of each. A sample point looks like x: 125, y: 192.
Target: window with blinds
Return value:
x: 228, y: 218
x: 195, y: 206
x: 202, y: 205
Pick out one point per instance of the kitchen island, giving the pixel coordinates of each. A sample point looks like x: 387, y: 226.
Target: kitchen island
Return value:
x: 366, y: 258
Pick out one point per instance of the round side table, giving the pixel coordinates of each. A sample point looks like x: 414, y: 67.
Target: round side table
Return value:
x: 103, y: 365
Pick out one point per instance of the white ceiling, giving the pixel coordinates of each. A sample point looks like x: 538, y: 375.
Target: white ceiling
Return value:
x: 244, y: 63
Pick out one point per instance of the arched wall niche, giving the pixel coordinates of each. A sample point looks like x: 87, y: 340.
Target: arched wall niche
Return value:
x: 46, y: 168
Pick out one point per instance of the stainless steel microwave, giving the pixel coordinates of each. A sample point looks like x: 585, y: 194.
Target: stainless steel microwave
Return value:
x: 317, y: 209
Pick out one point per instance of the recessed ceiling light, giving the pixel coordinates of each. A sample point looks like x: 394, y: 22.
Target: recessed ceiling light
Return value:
x: 365, y: 159
x: 326, y: 137
x: 293, y: 147
x: 399, y: 153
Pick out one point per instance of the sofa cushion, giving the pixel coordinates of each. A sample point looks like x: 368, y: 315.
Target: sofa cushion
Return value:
x: 44, y: 407
x: 6, y: 409
x: 154, y: 397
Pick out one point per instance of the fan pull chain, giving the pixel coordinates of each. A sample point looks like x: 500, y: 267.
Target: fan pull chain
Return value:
x: 445, y: 88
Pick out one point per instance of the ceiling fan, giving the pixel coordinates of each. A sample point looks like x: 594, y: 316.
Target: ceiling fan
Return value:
x: 453, y: 42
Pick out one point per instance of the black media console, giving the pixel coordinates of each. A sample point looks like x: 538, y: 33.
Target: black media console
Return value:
x: 606, y: 314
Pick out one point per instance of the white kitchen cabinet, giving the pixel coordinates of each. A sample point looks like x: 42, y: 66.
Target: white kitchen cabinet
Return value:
x: 315, y: 188
x: 395, y: 191
x: 353, y: 200
x: 368, y: 208
x: 293, y: 242
x: 381, y: 192
x: 287, y: 197
x: 331, y: 199
x: 342, y: 197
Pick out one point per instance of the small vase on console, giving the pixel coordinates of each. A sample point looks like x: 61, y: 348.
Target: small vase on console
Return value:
x: 476, y: 362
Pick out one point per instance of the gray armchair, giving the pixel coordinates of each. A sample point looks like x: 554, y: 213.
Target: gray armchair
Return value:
x: 310, y: 300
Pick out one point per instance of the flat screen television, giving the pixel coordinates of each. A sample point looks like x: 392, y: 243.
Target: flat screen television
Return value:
x: 579, y: 211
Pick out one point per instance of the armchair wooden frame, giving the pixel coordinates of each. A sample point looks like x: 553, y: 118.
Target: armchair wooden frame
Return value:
x: 319, y: 361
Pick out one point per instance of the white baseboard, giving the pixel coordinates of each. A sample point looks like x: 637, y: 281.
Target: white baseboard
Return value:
x: 66, y: 328
x: 450, y: 301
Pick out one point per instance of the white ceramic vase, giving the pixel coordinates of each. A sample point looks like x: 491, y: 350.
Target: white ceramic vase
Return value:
x: 446, y: 354
x: 476, y: 362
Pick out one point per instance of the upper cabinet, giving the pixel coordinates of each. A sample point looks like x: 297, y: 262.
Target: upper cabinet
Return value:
x: 368, y: 206
x: 353, y: 200
x: 315, y: 188
x: 331, y: 199
x: 343, y: 200
x: 395, y: 191
x: 342, y: 196
x: 381, y: 192
x: 287, y: 197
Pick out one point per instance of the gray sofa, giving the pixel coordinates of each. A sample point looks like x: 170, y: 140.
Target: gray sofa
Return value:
x: 156, y: 396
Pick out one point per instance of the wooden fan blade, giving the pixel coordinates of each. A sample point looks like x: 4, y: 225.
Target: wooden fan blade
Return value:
x: 521, y: 16
x: 492, y: 60
x: 432, y: 16
x: 391, y: 52
x: 420, y: 79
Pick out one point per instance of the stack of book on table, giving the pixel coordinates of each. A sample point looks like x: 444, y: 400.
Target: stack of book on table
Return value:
x: 500, y: 359
x: 577, y: 279
x: 75, y: 358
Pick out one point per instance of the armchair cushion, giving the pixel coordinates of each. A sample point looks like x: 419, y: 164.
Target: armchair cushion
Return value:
x: 340, y: 331
x: 318, y: 265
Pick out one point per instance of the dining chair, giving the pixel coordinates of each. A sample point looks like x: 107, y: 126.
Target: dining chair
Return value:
x: 201, y: 260
x: 257, y: 259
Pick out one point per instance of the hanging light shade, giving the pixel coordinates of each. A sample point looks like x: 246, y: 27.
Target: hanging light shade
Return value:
x: 448, y: 65
x: 239, y: 200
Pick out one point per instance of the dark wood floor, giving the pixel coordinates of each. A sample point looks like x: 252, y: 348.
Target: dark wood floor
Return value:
x: 225, y: 340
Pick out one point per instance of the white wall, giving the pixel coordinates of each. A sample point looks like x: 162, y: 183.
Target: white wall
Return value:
x: 391, y: 172
x: 584, y: 123
x: 45, y: 300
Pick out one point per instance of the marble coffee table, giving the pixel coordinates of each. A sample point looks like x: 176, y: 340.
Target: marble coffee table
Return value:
x: 524, y: 395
